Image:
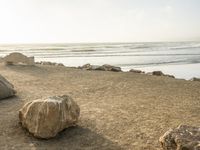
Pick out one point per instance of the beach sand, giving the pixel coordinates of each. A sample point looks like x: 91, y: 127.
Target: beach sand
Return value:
x: 119, y: 110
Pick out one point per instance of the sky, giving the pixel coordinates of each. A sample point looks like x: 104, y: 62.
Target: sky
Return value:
x: 76, y: 21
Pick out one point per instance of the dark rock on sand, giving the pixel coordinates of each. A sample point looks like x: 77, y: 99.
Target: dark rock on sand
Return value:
x: 157, y: 73
x: 136, y: 71
x: 170, y: 76
x: 102, y: 68
x: 107, y: 67
x: 44, y: 118
x: 181, y: 138
x: 160, y: 73
x: 195, y: 79
x: 89, y: 67
x: 6, y: 88
x: 49, y: 63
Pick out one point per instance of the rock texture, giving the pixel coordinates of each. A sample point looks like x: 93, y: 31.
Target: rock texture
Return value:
x: 89, y: 67
x: 18, y: 58
x: 105, y: 67
x: 195, y: 79
x: 157, y: 73
x: 6, y: 88
x: 136, y: 71
x: 182, y: 138
x: 44, y: 118
x: 49, y: 63
x: 160, y: 73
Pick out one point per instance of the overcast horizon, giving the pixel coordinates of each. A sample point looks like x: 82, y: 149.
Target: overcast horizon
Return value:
x: 98, y: 21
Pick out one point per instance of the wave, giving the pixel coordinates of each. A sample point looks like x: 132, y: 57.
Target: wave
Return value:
x: 187, y: 47
x: 159, y: 63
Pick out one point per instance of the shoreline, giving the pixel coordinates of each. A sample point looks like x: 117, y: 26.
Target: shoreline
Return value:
x: 119, y: 110
x: 188, y: 71
x: 167, y: 70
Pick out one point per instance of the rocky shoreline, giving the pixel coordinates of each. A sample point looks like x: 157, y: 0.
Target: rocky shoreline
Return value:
x: 118, y: 110
x: 18, y: 58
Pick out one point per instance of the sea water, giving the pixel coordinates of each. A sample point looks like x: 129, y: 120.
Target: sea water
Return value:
x: 181, y: 59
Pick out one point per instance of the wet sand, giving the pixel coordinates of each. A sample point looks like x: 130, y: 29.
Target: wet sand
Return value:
x: 119, y: 110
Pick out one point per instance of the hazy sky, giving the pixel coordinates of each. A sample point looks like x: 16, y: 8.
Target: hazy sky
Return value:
x: 38, y: 21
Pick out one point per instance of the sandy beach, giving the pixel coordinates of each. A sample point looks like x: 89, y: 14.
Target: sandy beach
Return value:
x: 119, y: 110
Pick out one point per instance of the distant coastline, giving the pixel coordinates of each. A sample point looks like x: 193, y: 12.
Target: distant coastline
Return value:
x: 181, y: 59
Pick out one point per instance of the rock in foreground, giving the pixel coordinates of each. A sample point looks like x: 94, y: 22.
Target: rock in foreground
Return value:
x: 182, y: 138
x: 6, y: 88
x: 44, y: 118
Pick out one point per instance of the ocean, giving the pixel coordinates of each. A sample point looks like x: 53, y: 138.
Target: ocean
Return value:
x: 181, y: 59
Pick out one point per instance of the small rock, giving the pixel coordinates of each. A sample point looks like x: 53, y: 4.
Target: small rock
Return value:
x: 59, y: 64
x: 181, y: 138
x: 44, y: 118
x: 195, y: 79
x: 170, y: 76
x: 107, y: 67
x: 136, y: 71
x: 102, y: 68
x: 157, y: 73
x: 86, y: 67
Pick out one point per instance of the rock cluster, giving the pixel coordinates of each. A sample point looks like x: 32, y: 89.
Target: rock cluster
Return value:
x: 181, y: 138
x: 6, y: 88
x: 44, y: 118
x: 160, y: 73
x: 105, y: 67
x: 136, y: 71
x: 49, y: 63
x: 195, y: 79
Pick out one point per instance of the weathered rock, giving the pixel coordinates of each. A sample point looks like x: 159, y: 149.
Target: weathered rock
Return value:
x: 18, y: 58
x: 136, y: 71
x: 157, y: 73
x: 6, y: 88
x: 195, y: 79
x: 89, y: 67
x: 86, y: 66
x: 59, y: 64
x: 168, y: 75
x: 102, y: 68
x: 107, y: 67
x: 181, y: 138
x: 44, y: 118
x: 49, y: 63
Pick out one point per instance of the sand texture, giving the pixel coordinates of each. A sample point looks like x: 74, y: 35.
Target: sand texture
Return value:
x: 118, y: 110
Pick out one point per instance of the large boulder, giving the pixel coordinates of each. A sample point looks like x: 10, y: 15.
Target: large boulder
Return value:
x: 18, y: 58
x: 181, y: 138
x: 6, y: 88
x: 44, y: 118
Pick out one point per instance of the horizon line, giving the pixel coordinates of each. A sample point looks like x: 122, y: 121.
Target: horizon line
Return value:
x: 29, y: 43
